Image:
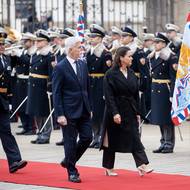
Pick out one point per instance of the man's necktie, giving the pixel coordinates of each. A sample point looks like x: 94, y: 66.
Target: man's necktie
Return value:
x: 78, y: 68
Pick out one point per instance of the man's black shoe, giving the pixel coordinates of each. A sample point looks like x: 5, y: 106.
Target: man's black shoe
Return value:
x: 74, y: 178
x: 167, y: 150
x: 159, y: 150
x: 40, y: 141
x: 63, y: 163
x: 61, y: 143
x: 17, y: 165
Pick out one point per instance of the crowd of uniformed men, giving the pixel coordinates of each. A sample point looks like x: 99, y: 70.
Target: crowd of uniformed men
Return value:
x: 26, y: 72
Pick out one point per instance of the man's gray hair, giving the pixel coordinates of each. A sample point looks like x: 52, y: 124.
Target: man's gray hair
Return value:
x: 70, y: 43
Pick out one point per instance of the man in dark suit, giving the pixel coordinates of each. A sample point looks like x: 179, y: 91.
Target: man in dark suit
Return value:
x: 8, y: 141
x: 72, y: 105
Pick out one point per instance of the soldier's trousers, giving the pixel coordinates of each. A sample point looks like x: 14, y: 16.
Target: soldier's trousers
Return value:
x: 167, y: 136
x: 8, y: 141
x: 46, y: 132
x: 27, y: 121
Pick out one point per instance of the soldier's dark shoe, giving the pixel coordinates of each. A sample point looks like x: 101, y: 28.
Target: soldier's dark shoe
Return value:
x: 159, y: 150
x: 17, y: 165
x: 74, y: 178
x: 63, y: 163
x: 167, y: 150
x: 21, y: 133
x: 40, y: 141
x: 97, y: 146
x: 93, y: 144
x: 61, y: 143
x: 30, y: 132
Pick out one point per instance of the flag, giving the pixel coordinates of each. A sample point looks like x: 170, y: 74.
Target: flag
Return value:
x: 80, y: 28
x: 181, y: 97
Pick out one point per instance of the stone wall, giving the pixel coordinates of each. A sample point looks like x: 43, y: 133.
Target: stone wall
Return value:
x: 181, y: 10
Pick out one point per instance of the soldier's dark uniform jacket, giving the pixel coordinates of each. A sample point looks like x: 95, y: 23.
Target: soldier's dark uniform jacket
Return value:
x: 5, y: 87
x: 59, y: 55
x: 163, y: 81
x: 140, y: 69
x: 40, y: 72
x: 148, y: 81
x: 21, y: 65
x: 97, y: 66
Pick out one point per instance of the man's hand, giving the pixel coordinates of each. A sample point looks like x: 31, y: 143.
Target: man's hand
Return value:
x: 62, y: 120
x: 117, y: 119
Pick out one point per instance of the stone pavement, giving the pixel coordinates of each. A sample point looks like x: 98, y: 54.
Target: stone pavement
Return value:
x: 176, y: 163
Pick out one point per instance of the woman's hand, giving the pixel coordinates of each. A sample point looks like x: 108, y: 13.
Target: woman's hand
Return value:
x: 117, y: 119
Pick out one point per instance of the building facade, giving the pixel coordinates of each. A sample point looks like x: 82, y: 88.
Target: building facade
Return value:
x: 25, y: 15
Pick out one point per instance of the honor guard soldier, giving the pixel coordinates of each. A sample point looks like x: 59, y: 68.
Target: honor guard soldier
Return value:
x: 40, y: 71
x: 163, y: 79
x: 148, y: 41
x: 21, y: 61
x: 175, y: 41
x: 8, y: 141
x: 128, y: 39
x: 116, y: 38
x: 60, y: 53
x: 99, y: 60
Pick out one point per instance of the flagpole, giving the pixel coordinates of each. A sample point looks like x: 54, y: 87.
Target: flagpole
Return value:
x: 81, y: 7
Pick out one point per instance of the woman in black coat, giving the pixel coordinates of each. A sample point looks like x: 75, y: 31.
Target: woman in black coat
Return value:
x: 120, y: 124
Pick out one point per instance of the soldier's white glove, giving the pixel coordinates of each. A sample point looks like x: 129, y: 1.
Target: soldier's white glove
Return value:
x: 10, y: 107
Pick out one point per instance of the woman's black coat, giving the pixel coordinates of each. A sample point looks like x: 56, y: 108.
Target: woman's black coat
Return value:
x: 121, y: 97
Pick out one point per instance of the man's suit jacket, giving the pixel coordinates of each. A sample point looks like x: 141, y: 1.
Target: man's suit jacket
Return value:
x: 70, y: 96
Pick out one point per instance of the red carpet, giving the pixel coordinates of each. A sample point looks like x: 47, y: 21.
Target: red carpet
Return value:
x: 53, y: 175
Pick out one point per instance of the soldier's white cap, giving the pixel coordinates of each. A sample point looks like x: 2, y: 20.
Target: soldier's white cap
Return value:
x: 115, y: 30
x: 172, y: 27
x: 147, y: 36
x: 42, y: 35
x: 97, y: 30
x: 28, y: 36
x: 67, y: 32
x: 53, y: 34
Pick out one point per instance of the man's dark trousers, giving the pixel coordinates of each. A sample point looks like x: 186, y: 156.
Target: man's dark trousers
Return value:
x: 73, y: 149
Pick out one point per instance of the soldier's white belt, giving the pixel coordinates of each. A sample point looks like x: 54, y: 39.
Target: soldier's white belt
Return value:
x: 22, y: 76
x: 93, y: 75
x: 38, y: 76
x: 161, y: 81
x: 3, y: 90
